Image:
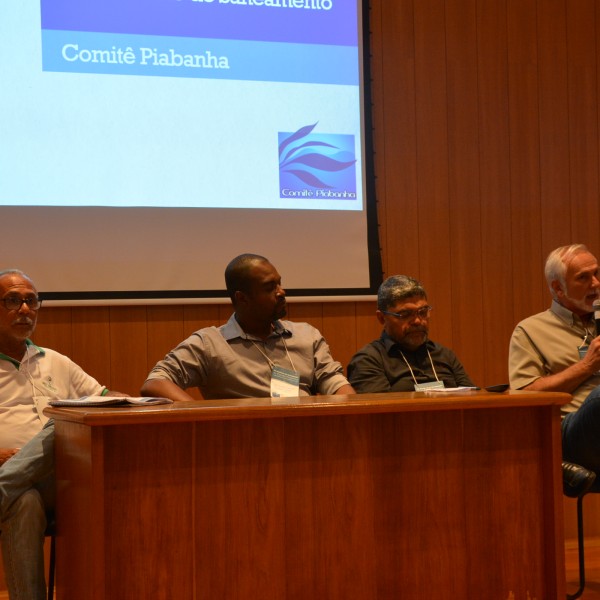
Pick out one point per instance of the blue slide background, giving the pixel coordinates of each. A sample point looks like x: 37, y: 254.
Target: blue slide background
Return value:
x: 245, y: 60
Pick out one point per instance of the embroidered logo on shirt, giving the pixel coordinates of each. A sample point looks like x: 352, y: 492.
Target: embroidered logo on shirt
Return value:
x: 48, y: 384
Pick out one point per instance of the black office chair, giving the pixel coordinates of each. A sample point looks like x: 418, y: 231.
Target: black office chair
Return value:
x: 577, y: 482
x: 51, y: 533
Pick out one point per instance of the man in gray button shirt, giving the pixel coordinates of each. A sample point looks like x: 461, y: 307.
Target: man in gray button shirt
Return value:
x: 254, y: 351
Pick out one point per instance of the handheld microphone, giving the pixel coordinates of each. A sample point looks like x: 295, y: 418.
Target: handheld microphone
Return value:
x: 596, y: 306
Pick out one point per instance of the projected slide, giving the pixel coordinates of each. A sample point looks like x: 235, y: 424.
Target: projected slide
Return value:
x: 252, y: 104
x: 145, y: 143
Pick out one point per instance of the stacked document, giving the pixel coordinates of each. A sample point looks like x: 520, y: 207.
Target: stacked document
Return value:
x: 110, y: 401
x: 450, y: 391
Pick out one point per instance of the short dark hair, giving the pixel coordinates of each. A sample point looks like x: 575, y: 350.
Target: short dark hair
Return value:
x: 237, y: 273
x: 396, y: 288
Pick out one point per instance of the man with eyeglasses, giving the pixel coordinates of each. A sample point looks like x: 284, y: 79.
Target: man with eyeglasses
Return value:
x: 30, y: 377
x: 404, y: 359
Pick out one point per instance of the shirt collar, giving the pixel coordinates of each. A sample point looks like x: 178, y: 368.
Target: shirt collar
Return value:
x: 31, y: 350
x: 564, y: 314
x: 232, y: 330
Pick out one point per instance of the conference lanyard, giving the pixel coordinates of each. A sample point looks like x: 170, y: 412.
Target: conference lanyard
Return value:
x: 583, y: 347
x: 429, y: 385
x: 284, y: 382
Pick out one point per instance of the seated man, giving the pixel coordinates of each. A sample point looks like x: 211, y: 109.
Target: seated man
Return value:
x: 30, y: 377
x: 255, y: 354
x: 558, y: 350
x: 403, y: 358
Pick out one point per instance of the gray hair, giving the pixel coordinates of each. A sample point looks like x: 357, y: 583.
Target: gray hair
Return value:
x: 396, y: 288
x: 556, y: 264
x: 15, y: 272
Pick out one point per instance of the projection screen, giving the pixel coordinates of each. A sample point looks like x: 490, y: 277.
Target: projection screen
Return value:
x: 146, y: 143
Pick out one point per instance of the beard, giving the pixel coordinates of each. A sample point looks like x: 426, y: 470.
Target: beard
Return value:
x: 24, y: 326
x: 414, y: 338
x: 280, y: 310
x: 583, y: 305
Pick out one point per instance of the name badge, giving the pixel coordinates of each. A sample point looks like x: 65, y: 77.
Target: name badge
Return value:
x: 582, y: 351
x: 40, y: 403
x: 429, y: 385
x: 285, y: 383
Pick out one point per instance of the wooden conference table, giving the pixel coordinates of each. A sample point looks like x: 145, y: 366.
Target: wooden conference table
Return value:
x: 376, y: 496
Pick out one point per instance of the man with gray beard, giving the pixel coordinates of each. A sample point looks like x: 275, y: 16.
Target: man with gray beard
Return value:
x: 558, y: 350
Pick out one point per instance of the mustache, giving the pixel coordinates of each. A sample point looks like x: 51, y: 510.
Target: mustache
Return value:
x: 418, y: 329
x: 23, y: 321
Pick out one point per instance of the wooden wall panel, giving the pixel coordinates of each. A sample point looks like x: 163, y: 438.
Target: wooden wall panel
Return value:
x: 583, y: 119
x: 165, y: 331
x: 367, y: 325
x: 435, y: 265
x: 54, y: 329
x: 91, y: 341
x: 306, y: 311
x: 466, y: 306
x: 129, y: 348
x: 201, y: 315
x: 524, y: 205
x: 396, y: 136
x: 554, y: 125
x: 494, y: 181
x: 339, y: 328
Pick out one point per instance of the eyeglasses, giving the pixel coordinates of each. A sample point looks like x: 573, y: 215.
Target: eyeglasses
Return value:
x: 15, y: 303
x: 406, y: 315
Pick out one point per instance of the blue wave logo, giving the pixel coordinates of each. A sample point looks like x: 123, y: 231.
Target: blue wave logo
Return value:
x: 317, y: 165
